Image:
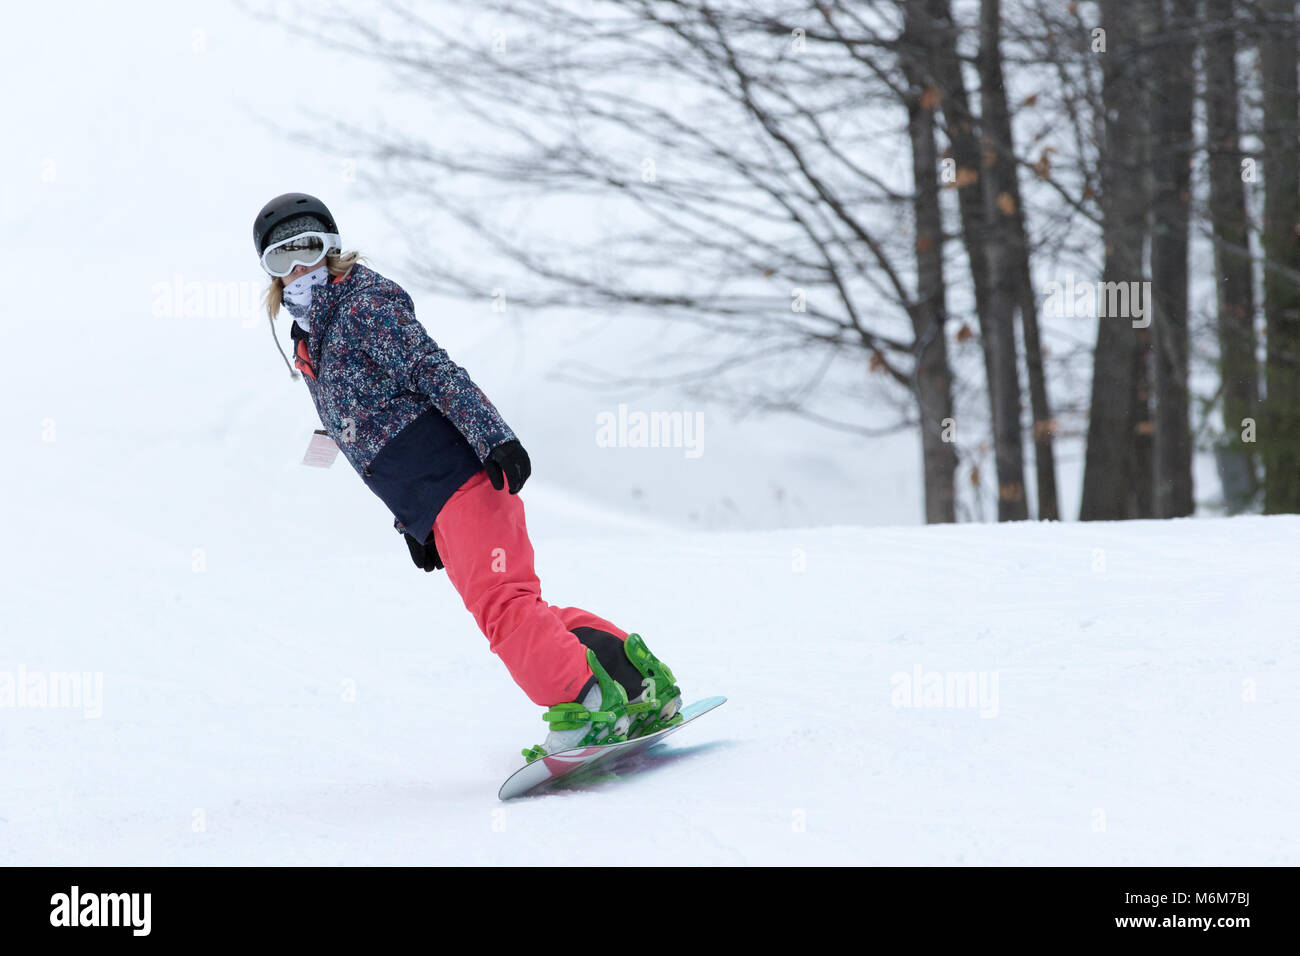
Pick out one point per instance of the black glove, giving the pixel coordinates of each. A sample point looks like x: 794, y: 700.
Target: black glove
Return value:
x: 424, y: 555
x: 508, y: 462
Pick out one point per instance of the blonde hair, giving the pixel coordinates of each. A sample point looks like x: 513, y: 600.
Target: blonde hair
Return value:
x: 339, y: 264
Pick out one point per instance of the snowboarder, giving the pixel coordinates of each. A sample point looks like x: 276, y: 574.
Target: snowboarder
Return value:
x: 426, y: 440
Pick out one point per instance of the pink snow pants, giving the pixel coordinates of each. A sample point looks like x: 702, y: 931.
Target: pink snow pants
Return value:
x: 483, y: 542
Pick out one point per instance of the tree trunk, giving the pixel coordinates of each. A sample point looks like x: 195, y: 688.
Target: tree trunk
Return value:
x: 1110, y: 484
x: 1009, y: 221
x: 1049, y: 507
x: 1238, y: 368
x: 1279, y: 431
x: 1142, y: 474
x: 988, y: 256
x: 929, y: 312
x: 1171, y: 95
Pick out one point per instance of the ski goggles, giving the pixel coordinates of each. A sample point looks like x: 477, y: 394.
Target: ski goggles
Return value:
x: 304, y: 249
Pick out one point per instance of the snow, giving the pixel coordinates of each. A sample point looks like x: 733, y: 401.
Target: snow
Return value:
x: 309, y: 697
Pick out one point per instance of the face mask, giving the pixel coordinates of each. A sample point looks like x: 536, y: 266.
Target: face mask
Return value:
x: 297, y: 294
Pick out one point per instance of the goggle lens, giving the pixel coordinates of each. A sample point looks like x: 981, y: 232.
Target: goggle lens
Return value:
x: 306, y: 249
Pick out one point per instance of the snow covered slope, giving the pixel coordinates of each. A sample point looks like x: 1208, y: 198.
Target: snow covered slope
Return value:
x: 1132, y: 698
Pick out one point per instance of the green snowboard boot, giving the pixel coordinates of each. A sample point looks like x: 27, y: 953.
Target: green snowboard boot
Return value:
x: 659, y: 685
x: 604, y: 714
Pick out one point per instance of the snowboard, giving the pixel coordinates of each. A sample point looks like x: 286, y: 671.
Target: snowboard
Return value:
x: 545, y: 771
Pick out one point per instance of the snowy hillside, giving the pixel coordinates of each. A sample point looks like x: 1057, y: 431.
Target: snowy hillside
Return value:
x: 308, y: 697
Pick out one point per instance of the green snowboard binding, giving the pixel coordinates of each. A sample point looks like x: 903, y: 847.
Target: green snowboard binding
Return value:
x: 659, y: 686
x: 606, y: 715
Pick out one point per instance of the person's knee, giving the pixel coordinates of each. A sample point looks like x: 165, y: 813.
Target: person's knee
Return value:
x: 509, y: 604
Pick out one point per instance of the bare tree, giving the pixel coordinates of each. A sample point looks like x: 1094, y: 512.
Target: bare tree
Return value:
x: 1238, y: 368
x: 987, y: 252
x: 1009, y: 231
x: 934, y: 387
x: 1280, y: 428
x: 1000, y: 330
x: 1113, y: 477
x: 1171, y: 92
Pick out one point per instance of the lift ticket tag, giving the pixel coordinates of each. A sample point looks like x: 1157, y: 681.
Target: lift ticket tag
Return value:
x: 322, y: 451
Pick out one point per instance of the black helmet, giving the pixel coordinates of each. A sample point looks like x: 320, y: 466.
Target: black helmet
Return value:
x: 289, y: 206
